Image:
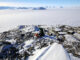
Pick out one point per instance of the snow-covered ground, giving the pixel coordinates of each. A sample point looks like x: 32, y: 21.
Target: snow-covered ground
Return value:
x: 55, y: 52
x: 68, y: 16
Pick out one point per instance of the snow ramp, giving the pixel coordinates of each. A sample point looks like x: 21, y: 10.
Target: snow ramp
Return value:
x: 55, y: 52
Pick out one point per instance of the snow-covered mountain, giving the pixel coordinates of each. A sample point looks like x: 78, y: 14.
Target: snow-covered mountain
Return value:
x: 12, y: 8
x: 40, y: 42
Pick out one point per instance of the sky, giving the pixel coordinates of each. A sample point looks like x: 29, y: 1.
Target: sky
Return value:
x: 39, y: 2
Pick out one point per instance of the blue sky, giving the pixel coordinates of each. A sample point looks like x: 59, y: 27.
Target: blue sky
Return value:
x: 40, y: 2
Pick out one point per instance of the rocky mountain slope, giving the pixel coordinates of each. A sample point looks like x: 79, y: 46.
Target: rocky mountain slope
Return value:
x: 40, y: 42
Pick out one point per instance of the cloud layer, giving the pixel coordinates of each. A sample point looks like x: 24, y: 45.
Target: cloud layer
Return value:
x: 20, y: 4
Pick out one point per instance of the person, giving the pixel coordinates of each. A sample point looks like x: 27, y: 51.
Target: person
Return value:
x: 36, y: 34
x: 41, y: 32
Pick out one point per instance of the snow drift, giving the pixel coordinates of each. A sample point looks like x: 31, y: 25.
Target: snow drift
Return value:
x: 56, y: 52
x: 53, y: 52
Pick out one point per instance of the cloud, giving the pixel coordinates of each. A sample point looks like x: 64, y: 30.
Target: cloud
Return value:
x: 11, y: 4
x: 20, y: 4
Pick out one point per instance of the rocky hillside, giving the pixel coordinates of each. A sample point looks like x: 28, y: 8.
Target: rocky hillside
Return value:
x: 24, y: 41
